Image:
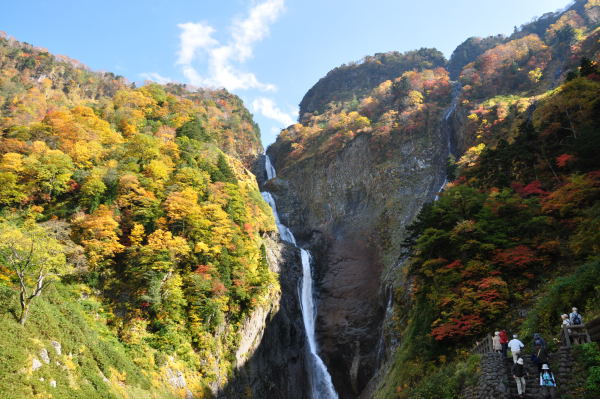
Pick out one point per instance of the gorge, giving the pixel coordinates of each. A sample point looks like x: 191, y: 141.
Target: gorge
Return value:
x: 417, y: 205
x: 320, y: 381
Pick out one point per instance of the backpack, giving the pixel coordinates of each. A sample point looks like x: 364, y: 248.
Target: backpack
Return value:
x: 547, y: 379
x: 576, y: 319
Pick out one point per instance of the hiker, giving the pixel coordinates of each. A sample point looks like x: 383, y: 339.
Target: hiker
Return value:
x: 504, y: 342
x: 575, y: 318
x: 566, y: 322
x: 518, y: 372
x: 538, y: 340
x: 547, y: 382
x: 496, y: 346
x: 539, y: 357
x: 515, y: 347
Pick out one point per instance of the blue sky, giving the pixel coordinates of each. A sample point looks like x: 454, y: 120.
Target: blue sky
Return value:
x: 269, y: 52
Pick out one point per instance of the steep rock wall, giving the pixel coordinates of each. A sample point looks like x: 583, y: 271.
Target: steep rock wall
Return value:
x: 270, y: 358
x: 351, y: 209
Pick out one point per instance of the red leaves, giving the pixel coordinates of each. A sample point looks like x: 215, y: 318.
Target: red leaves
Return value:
x: 533, y: 188
x: 462, y: 326
x: 454, y: 265
x: 564, y: 159
x: 519, y: 257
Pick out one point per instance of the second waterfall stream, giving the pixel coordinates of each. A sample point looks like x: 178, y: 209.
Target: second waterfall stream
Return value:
x: 321, y: 384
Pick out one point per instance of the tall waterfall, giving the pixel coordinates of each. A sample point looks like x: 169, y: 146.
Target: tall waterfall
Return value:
x: 321, y: 384
x: 447, y: 129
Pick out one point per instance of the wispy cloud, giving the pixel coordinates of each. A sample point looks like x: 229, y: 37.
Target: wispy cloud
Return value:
x: 192, y: 38
x: 267, y: 108
x: 155, y: 77
x: 224, y: 61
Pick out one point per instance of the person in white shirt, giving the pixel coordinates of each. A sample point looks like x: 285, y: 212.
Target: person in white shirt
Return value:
x: 515, y: 347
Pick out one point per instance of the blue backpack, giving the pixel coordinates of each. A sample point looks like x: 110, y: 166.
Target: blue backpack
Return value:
x: 547, y: 379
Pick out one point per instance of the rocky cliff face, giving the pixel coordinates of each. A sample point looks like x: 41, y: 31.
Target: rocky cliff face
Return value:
x: 350, y: 208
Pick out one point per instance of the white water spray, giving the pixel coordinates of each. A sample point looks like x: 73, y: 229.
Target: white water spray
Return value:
x: 321, y: 384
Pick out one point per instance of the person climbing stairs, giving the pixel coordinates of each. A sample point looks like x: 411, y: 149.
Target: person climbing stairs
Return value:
x: 532, y: 384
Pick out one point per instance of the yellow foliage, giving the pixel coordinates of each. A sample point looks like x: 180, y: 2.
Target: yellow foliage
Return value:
x: 471, y: 155
x: 137, y: 234
x: 181, y: 204
x: 415, y: 98
x: 98, y: 233
x: 12, y: 162
x: 161, y: 240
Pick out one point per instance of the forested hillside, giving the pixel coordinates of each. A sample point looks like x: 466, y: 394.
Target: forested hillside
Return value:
x: 439, y: 200
x: 131, y: 231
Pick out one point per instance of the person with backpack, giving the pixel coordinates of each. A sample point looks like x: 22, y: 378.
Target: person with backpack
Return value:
x: 539, y: 357
x: 547, y: 382
x: 515, y: 346
x: 575, y: 318
x: 538, y: 340
x: 518, y: 372
x: 504, y: 342
x: 496, y: 346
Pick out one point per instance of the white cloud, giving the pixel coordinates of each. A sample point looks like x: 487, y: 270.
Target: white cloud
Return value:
x: 268, y: 109
x: 155, y: 77
x: 224, y: 61
x: 192, y: 38
x: 254, y: 28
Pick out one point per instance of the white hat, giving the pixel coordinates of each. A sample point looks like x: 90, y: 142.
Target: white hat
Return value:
x: 520, y: 361
x: 545, y: 367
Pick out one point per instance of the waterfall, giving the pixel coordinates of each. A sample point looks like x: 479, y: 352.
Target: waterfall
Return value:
x: 447, y: 129
x: 269, y: 168
x: 321, y: 384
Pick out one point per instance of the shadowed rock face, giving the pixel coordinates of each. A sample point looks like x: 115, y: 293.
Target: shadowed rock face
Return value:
x: 275, y: 368
x: 351, y: 210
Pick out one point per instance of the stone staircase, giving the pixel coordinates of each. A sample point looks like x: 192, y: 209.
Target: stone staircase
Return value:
x: 532, y: 385
x: 496, y: 381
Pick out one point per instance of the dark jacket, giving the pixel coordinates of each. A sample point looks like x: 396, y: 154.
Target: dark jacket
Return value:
x: 540, y: 356
x: 518, y: 370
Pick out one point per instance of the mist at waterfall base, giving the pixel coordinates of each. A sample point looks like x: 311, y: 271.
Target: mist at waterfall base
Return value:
x: 321, y: 384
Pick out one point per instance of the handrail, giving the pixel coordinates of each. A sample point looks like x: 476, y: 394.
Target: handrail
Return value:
x: 484, y: 346
x: 573, y: 335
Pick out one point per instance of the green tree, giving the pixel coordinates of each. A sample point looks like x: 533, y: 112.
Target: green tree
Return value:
x: 34, y: 255
x: 195, y: 130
